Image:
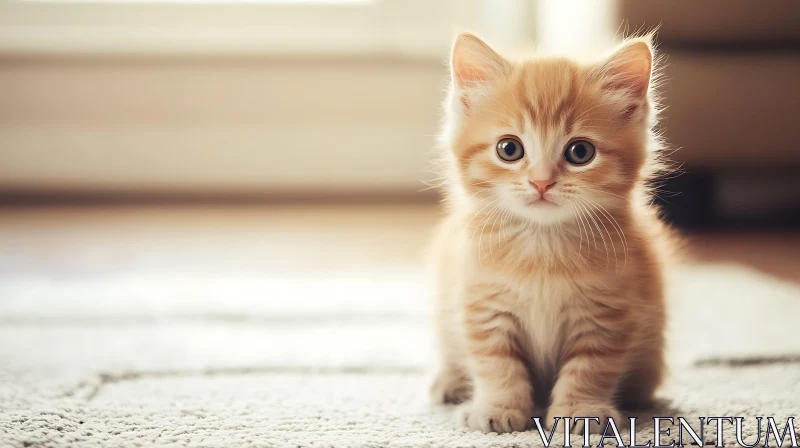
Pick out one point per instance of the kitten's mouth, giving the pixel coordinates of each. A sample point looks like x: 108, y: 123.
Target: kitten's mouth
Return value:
x: 540, y: 202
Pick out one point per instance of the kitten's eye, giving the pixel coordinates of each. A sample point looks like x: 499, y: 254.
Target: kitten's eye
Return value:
x: 579, y: 152
x: 510, y: 149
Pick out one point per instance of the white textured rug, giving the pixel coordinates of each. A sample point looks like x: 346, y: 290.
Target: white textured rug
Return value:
x: 337, y: 360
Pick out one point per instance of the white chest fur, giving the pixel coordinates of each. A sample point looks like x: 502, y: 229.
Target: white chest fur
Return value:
x: 537, y: 295
x: 540, y: 306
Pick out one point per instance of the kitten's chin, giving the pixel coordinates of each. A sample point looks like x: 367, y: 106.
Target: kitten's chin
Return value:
x: 543, y: 212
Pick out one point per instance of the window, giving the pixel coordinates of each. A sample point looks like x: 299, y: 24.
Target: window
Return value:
x: 415, y: 27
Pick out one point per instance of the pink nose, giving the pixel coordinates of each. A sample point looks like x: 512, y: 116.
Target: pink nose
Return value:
x: 542, y: 185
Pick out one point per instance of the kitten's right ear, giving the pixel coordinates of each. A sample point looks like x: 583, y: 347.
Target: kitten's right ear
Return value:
x: 473, y: 62
x: 631, y: 66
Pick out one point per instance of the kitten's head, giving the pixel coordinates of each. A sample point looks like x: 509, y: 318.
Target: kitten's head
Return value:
x: 544, y: 138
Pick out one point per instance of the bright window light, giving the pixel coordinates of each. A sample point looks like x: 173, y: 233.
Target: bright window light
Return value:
x: 278, y: 2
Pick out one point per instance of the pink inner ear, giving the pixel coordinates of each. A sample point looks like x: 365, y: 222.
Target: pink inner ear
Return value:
x: 468, y: 73
x: 632, y: 66
x: 473, y: 61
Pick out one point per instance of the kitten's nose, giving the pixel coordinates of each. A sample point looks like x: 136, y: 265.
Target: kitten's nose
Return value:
x: 542, y: 185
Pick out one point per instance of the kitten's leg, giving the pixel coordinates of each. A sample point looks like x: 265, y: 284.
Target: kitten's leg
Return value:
x: 643, y: 377
x: 502, y: 398
x: 593, y: 366
x: 452, y: 385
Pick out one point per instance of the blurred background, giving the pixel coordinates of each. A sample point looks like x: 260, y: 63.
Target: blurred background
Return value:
x: 264, y: 100
x: 214, y: 213
x: 163, y: 152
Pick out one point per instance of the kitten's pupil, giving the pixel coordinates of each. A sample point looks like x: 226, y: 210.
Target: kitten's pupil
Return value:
x: 510, y: 148
x: 580, y: 151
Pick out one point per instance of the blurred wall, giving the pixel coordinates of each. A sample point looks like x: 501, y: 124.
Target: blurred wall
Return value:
x: 731, y: 92
x: 231, y: 96
x: 731, y: 70
x: 242, y: 123
x: 248, y: 97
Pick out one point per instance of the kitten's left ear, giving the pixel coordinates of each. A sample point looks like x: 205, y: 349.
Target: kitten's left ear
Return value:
x: 474, y: 62
x: 630, y: 67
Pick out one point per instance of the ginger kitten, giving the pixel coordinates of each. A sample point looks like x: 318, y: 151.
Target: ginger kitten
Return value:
x: 549, y: 262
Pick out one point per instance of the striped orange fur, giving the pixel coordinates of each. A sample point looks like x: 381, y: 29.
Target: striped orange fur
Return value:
x: 550, y: 291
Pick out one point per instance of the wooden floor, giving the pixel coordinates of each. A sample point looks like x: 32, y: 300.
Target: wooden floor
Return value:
x: 79, y: 240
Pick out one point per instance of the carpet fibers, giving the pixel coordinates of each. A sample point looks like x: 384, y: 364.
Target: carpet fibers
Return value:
x: 198, y: 376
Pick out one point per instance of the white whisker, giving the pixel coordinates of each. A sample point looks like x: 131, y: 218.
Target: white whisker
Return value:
x: 610, y: 239
x: 605, y: 245
x: 617, y: 228
x: 580, y: 232
x: 483, y: 229
x: 607, y: 192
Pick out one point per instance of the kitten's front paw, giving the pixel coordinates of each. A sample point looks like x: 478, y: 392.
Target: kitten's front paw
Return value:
x: 493, y: 418
x: 599, y: 410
